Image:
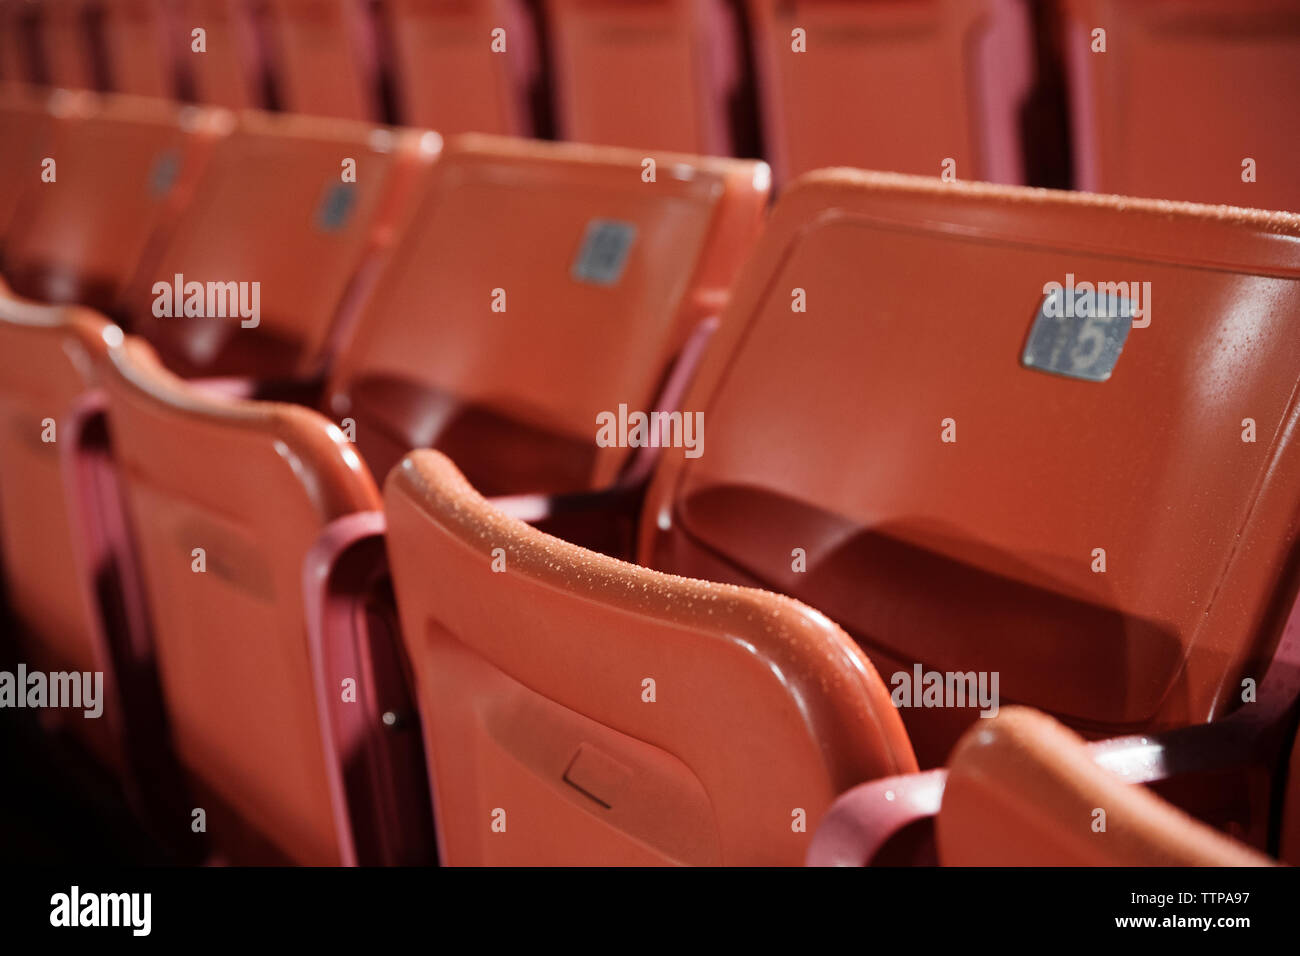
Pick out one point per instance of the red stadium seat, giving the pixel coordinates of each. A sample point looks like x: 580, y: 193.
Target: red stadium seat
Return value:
x: 25, y: 129
x: 538, y: 285
x: 277, y: 207
x: 1024, y: 791
x: 579, y: 710
x: 51, y: 563
x: 69, y: 572
x: 236, y: 616
x: 14, y: 54
x: 126, y: 166
x: 230, y: 71
x: 1153, y: 116
x: 649, y: 74
x: 145, y: 41
x: 451, y: 74
x: 426, y: 491
x: 66, y: 43
x: 899, y: 86
x: 965, y: 497
x: 326, y: 55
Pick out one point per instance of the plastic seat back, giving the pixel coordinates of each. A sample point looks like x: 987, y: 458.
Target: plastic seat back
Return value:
x: 972, y: 481
x: 68, y: 53
x: 146, y: 44
x: 22, y: 57
x: 288, y: 223
x: 226, y: 499
x: 579, y: 710
x: 538, y: 286
x: 455, y: 74
x: 326, y: 58
x: 47, y: 366
x: 1022, y: 790
x: 1152, y: 117
x: 230, y: 72
x: 903, y: 86
x: 649, y: 74
x: 25, y: 129
x: 13, y: 57
x: 125, y: 168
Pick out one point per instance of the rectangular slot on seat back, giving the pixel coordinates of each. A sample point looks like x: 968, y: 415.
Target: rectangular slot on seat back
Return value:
x: 597, y: 775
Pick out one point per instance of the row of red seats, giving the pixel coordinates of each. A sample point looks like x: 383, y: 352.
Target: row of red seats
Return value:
x: 878, y: 447
x: 898, y: 85
x: 491, y: 260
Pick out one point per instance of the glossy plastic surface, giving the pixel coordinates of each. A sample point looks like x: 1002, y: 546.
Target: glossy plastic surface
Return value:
x: 47, y: 365
x: 579, y: 710
x: 654, y: 74
x: 65, y: 40
x: 456, y: 74
x: 147, y: 44
x: 482, y: 340
x: 900, y: 85
x: 253, y: 485
x: 280, y: 206
x: 230, y: 72
x: 324, y: 51
x: 1154, y: 116
x: 1024, y: 791
x: 126, y: 167
x: 826, y: 433
x: 25, y: 129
